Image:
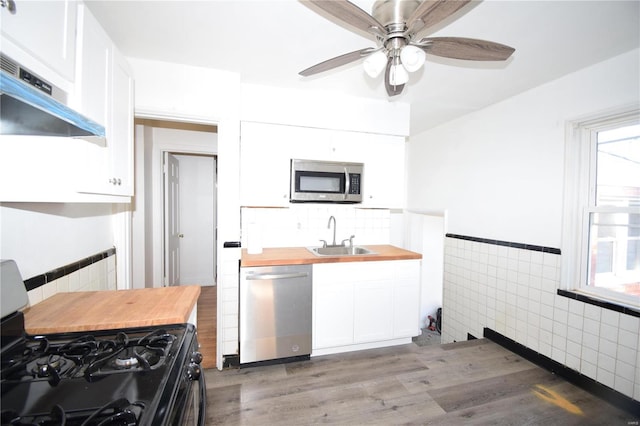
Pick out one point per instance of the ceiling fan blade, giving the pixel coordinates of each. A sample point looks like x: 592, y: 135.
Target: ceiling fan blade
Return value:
x: 351, y: 14
x: 337, y: 61
x: 465, y: 48
x: 392, y: 90
x: 431, y: 12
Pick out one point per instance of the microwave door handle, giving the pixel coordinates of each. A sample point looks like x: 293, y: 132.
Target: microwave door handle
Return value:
x: 347, y: 183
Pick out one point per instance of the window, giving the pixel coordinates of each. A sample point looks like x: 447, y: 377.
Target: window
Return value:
x: 601, y: 242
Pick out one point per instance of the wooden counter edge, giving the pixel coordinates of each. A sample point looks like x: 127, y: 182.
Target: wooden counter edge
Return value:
x: 302, y: 256
x: 38, y: 313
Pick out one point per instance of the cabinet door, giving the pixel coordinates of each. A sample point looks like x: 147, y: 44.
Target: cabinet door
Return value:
x: 384, y: 172
x: 332, y: 307
x: 120, y: 129
x: 46, y: 31
x: 373, y: 317
x: 93, y: 73
x: 265, y: 166
x: 406, y: 299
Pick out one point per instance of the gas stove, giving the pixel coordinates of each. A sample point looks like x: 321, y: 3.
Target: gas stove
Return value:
x: 135, y: 376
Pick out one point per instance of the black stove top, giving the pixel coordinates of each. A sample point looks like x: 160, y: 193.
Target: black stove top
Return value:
x: 110, y: 377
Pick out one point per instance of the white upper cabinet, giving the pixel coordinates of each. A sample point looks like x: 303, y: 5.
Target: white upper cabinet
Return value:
x: 93, y: 68
x: 45, y: 31
x: 266, y: 151
x: 104, y: 88
x: 120, y: 128
x: 100, y: 86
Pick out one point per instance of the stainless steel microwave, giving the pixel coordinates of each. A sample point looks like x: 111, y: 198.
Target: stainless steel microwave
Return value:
x: 326, y: 181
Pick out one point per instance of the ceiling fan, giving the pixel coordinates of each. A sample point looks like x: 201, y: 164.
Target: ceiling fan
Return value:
x: 398, y: 27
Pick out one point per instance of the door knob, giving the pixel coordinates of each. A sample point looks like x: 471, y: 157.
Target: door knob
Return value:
x: 180, y: 235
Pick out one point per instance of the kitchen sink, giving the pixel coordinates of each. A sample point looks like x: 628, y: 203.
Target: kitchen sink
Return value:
x: 340, y: 251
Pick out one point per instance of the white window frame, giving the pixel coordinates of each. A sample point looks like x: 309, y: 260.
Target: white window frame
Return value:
x: 579, y: 190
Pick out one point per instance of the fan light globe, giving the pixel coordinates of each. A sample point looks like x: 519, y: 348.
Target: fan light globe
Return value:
x: 375, y: 63
x: 412, y: 58
x: 398, y: 75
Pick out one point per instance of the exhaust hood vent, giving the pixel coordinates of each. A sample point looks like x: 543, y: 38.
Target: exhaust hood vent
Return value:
x: 28, y: 107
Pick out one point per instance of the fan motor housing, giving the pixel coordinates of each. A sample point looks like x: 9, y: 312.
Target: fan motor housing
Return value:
x: 390, y: 12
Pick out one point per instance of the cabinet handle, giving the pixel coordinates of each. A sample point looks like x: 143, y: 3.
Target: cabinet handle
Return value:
x: 115, y: 181
x: 10, y: 5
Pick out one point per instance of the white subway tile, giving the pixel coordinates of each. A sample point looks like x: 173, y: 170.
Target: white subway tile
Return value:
x: 590, y: 341
x: 608, y: 348
x: 575, y: 320
x: 624, y: 370
x: 558, y: 355
x: 592, y: 326
x: 574, y: 334
x: 589, y: 369
x: 627, y: 338
x: 605, y: 377
x: 606, y: 362
x: 589, y: 355
x: 609, y: 332
x: 627, y: 355
x: 610, y: 317
x: 576, y: 307
x: 623, y: 385
x: 629, y: 323
x: 573, y: 362
x: 592, y: 312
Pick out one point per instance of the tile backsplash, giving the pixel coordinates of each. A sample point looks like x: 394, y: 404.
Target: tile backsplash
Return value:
x: 94, y: 273
x: 306, y: 225
x: 514, y: 291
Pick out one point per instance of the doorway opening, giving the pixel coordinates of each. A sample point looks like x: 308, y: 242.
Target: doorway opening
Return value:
x: 194, y: 147
x: 190, y: 198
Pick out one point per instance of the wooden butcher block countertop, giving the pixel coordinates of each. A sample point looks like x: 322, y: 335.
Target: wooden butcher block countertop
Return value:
x: 105, y: 310
x: 302, y: 256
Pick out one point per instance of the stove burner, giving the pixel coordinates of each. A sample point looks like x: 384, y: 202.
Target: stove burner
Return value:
x: 46, y: 367
x: 126, y: 362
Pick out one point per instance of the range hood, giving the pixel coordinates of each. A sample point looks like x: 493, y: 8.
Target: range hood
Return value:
x: 27, y: 107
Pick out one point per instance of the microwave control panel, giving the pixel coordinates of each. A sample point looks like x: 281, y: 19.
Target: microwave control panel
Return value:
x: 354, y: 185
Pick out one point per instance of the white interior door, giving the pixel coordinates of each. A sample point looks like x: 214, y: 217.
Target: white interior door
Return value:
x: 171, y: 220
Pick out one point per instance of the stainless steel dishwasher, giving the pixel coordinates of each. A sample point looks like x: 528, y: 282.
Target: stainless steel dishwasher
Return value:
x: 275, y: 312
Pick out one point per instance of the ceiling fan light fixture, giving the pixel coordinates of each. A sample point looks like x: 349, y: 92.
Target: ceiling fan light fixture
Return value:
x: 375, y: 63
x: 412, y: 58
x: 398, y: 75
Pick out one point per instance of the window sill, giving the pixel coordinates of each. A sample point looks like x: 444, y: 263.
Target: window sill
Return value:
x: 603, y: 303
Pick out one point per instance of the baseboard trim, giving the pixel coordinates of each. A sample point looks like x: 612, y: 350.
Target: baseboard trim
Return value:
x: 596, y: 388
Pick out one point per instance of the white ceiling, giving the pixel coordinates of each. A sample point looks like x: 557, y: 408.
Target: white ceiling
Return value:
x: 269, y: 41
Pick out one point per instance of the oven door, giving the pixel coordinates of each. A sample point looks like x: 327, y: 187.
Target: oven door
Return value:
x: 190, y: 406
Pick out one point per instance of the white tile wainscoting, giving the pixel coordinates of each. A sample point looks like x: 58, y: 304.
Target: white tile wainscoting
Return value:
x: 513, y: 291
x: 91, y: 274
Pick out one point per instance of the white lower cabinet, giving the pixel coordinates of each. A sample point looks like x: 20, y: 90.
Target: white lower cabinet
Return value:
x: 360, y: 305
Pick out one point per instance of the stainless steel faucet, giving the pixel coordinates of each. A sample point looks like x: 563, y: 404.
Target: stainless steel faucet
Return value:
x: 334, y: 228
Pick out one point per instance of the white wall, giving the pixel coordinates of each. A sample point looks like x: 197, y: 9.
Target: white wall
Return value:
x: 176, y: 92
x: 499, y: 172
x: 499, y: 175
x: 44, y: 236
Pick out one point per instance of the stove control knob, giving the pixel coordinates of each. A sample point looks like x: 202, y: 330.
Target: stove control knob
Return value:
x: 193, y: 371
x: 196, y: 357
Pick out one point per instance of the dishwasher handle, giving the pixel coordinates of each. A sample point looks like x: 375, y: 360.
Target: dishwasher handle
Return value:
x: 277, y: 276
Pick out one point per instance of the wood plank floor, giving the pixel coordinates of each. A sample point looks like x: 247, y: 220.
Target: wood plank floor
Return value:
x: 207, y: 324
x: 475, y: 382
